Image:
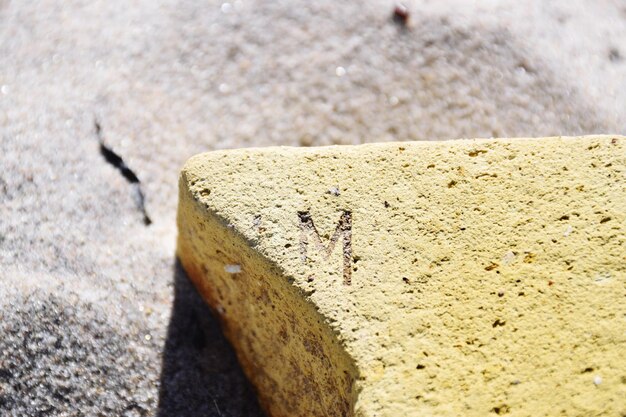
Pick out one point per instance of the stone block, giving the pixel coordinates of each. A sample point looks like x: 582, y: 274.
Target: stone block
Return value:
x: 448, y: 278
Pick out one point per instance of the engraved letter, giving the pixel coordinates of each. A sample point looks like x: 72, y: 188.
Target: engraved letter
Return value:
x: 343, y: 229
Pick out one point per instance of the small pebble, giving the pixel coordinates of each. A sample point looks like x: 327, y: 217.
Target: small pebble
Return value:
x: 508, y: 258
x: 401, y: 14
x: 597, y: 380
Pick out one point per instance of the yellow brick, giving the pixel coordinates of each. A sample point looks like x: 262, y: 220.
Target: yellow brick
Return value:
x: 461, y: 278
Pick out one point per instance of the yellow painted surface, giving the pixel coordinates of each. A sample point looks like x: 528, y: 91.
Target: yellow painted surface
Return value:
x: 460, y: 278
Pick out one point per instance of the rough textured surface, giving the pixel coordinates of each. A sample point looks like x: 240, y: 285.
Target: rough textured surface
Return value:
x: 58, y: 326
x: 169, y: 78
x: 450, y: 278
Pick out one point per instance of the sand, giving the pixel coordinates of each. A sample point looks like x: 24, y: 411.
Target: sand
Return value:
x: 96, y: 316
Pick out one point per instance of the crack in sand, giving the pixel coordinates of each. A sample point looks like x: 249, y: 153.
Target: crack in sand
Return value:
x: 116, y: 160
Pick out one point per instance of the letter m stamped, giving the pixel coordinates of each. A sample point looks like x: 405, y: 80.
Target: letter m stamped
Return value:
x: 343, y: 232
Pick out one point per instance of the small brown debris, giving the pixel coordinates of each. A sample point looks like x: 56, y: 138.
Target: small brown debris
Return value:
x: 491, y: 266
x: 503, y: 409
x: 498, y: 323
x: 401, y: 15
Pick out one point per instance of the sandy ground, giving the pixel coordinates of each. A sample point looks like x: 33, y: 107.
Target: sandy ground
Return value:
x: 96, y: 317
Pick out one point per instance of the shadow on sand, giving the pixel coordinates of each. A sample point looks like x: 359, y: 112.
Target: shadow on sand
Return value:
x: 200, y: 374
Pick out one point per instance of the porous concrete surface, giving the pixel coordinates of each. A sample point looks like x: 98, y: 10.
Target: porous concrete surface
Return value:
x: 456, y: 278
x: 169, y: 79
